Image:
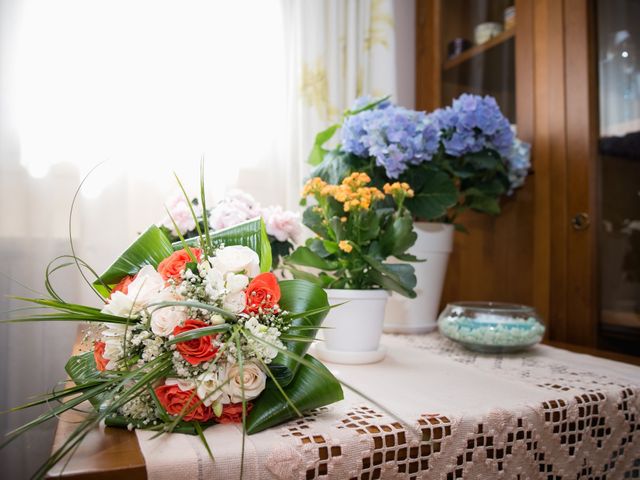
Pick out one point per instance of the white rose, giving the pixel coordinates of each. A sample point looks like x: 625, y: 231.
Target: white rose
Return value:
x: 235, y: 302
x: 119, y: 305
x: 140, y: 292
x: 237, y: 259
x: 113, y: 338
x: 164, y: 320
x: 236, y: 283
x: 253, y: 378
x: 207, y: 383
x: 282, y: 224
x: 183, y: 384
x: 147, y: 284
x: 214, y: 283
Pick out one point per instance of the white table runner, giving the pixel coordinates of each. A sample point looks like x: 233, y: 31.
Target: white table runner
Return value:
x: 547, y: 413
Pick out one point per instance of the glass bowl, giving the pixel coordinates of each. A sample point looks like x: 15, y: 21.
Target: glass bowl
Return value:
x: 491, y: 327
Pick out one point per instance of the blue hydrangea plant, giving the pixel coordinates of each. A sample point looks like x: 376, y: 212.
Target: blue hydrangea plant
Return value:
x: 464, y: 156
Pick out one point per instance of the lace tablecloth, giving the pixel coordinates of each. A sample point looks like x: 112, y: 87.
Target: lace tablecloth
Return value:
x: 544, y: 414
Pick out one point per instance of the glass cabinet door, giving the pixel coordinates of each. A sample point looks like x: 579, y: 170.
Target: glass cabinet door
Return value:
x: 478, y: 48
x: 618, y: 50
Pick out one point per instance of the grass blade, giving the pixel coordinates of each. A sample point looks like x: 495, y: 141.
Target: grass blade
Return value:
x: 198, y: 428
x: 193, y: 212
x: 182, y: 240
x: 205, y: 213
x: 198, y: 333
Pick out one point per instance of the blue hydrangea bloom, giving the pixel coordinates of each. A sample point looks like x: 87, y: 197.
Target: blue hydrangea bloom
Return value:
x: 395, y: 136
x: 518, y: 164
x: 473, y: 123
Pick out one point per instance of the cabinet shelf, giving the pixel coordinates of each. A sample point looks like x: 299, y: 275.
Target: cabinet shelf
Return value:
x: 478, y: 49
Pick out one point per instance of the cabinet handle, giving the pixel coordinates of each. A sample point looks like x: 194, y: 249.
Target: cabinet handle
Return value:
x: 581, y: 221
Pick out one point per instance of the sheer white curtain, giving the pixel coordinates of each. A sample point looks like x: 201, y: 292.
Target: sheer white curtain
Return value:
x: 337, y: 50
x: 147, y: 87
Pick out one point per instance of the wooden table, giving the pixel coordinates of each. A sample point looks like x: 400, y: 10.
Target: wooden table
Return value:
x: 108, y: 453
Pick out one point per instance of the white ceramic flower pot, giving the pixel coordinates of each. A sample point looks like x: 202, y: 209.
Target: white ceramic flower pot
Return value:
x: 419, y: 315
x: 353, y: 330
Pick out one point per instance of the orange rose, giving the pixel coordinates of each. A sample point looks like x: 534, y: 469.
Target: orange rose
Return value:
x: 232, y: 413
x: 172, y: 266
x: 175, y: 402
x: 197, y: 350
x: 262, y: 293
x: 98, y: 352
x: 123, y: 285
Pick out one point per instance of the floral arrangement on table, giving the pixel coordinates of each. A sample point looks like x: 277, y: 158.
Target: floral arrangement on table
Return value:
x: 284, y: 229
x: 464, y: 156
x: 357, y: 228
x: 190, y: 334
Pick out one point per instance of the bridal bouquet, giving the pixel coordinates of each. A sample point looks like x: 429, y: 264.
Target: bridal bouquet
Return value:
x: 190, y: 334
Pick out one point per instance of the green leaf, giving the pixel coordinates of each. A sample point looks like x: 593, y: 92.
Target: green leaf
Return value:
x: 331, y: 247
x: 398, y: 236
x: 337, y: 165
x: 368, y: 106
x: 150, y: 248
x: 431, y: 201
x: 339, y: 228
x: 407, y: 257
x: 82, y: 369
x: 363, y: 225
x: 398, y: 277
x: 484, y: 160
x: 313, y: 219
x: 306, y: 257
x: 307, y: 391
x: 317, y: 152
x: 317, y: 246
x: 252, y: 234
x: 302, y: 275
x: 298, y: 296
x: 483, y: 204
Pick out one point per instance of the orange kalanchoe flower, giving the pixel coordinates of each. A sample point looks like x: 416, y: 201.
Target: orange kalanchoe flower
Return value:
x: 398, y: 188
x: 345, y: 246
x: 314, y: 186
x: 352, y: 191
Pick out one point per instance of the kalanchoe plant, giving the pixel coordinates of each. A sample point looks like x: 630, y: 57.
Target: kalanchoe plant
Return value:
x: 460, y: 157
x: 357, y: 228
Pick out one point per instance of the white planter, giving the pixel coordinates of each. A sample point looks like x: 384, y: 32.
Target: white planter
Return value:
x: 353, y: 330
x: 419, y: 315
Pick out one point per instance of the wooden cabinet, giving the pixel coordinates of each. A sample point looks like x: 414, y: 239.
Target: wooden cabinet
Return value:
x: 546, y: 248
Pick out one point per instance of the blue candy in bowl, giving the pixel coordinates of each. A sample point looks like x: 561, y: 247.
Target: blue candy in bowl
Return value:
x: 491, y: 327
